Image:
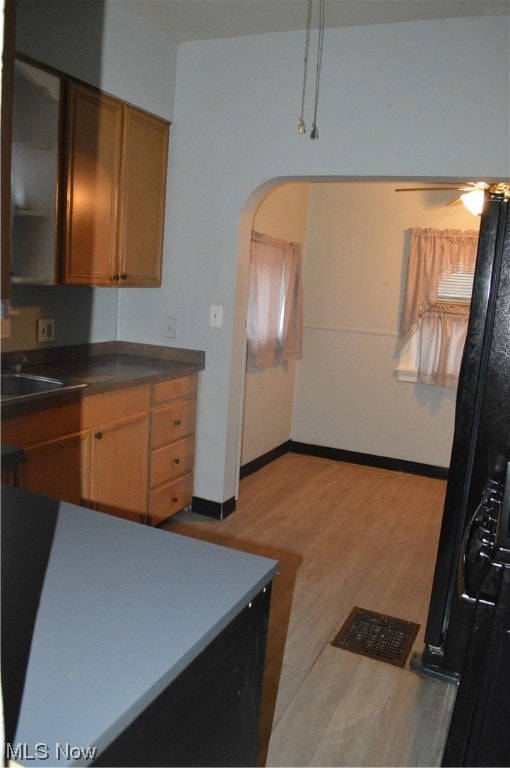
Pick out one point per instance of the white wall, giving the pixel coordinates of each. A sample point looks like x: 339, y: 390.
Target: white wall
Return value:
x: 269, y: 393
x: 105, y: 43
x: 347, y: 394
x: 412, y: 108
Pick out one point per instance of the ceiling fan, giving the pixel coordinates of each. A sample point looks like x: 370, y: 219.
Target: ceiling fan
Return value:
x: 472, y: 192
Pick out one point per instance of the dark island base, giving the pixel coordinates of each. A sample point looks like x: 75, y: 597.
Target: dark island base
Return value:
x: 209, y: 715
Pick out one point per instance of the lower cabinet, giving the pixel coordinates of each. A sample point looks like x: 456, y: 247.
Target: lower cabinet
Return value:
x: 118, y: 468
x: 169, y: 498
x: 128, y: 452
x: 59, y: 468
x: 172, y: 448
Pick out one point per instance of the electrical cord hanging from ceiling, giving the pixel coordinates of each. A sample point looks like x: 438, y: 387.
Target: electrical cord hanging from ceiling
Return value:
x: 320, y: 40
x: 315, y: 132
x: 301, y: 125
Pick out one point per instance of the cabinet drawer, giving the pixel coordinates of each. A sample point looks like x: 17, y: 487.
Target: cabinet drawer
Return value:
x: 175, y: 389
x: 37, y: 427
x: 172, y: 460
x: 170, y: 498
x: 173, y: 423
x: 112, y: 406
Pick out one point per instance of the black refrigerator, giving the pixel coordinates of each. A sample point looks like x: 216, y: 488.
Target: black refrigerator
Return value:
x: 469, y: 613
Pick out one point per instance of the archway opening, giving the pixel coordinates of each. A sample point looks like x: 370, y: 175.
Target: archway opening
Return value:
x: 344, y: 393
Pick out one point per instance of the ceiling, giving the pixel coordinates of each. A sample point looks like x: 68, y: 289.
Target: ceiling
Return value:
x: 187, y: 20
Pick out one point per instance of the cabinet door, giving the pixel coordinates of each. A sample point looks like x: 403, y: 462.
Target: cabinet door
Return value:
x: 145, y: 158
x: 119, y: 468
x: 93, y: 172
x: 59, y: 468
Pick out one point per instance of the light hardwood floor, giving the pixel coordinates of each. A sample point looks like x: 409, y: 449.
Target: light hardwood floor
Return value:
x: 344, y: 536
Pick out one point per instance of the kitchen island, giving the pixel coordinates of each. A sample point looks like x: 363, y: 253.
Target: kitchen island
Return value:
x: 127, y: 645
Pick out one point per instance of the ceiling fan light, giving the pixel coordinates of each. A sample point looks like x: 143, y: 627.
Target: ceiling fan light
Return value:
x: 473, y: 201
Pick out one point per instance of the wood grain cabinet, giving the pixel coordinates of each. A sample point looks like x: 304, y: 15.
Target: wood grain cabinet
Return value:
x: 59, y: 468
x: 88, y: 184
x: 93, y: 452
x: 128, y: 452
x: 119, y: 445
x: 172, y: 447
x: 118, y: 476
x: 115, y: 186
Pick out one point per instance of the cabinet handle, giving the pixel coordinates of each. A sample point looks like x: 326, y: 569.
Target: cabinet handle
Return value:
x: 177, y: 423
x: 123, y: 276
x: 177, y: 461
x: 175, y: 499
x: 98, y: 435
x: 115, y: 277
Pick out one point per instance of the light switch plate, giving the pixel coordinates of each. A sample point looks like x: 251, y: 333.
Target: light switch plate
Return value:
x: 216, y: 316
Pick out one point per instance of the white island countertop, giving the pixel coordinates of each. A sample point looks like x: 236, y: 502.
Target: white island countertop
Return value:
x: 123, y: 609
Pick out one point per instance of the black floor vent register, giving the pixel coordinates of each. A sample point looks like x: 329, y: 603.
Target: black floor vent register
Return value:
x: 377, y: 636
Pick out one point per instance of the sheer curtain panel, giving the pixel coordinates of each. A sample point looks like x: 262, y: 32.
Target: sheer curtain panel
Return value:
x: 275, y: 304
x: 441, y: 326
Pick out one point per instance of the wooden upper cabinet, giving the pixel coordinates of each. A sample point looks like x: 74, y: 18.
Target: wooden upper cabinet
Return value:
x: 145, y: 158
x: 116, y: 181
x: 93, y: 173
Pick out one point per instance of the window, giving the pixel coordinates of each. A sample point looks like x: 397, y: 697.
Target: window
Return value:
x: 435, y: 310
x: 275, y: 304
x: 455, y: 288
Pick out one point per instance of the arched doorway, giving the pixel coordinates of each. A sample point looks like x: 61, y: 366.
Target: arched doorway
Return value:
x: 347, y: 395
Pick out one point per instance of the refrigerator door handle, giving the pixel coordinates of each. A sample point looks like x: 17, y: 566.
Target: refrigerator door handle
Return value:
x: 478, y: 542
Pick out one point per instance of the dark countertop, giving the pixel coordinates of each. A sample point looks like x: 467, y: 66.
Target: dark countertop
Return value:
x: 101, y: 367
x: 104, y: 614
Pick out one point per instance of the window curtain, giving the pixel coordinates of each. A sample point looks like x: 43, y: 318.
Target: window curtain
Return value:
x: 442, y: 338
x: 275, y: 304
x: 436, y: 254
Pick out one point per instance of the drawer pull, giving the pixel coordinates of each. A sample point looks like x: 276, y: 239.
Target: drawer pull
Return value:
x: 98, y: 435
x: 177, y: 423
x: 175, y: 499
x: 177, y: 461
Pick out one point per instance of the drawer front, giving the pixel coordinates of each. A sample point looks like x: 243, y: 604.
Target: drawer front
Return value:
x: 170, y: 498
x: 173, y: 423
x: 39, y: 426
x: 175, y: 389
x: 172, y: 460
x: 112, y: 406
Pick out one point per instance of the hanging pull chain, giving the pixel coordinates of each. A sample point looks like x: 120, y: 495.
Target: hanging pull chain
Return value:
x: 315, y: 131
x: 301, y: 125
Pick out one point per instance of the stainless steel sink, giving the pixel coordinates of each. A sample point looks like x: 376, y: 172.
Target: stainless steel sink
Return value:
x: 21, y: 385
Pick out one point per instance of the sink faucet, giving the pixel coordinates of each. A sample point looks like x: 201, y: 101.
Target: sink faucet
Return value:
x: 17, y: 362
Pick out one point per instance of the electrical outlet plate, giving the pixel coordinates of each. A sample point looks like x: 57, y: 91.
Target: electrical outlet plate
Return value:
x: 45, y: 330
